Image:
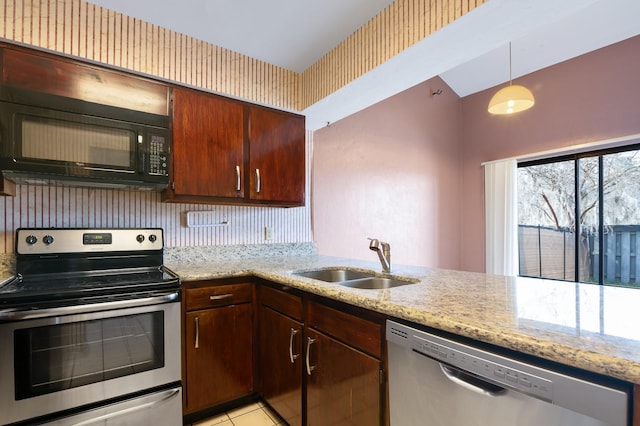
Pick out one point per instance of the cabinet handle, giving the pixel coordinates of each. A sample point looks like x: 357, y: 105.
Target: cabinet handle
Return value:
x: 197, y: 344
x: 310, y: 367
x: 258, y: 181
x: 220, y: 297
x: 292, y: 356
x: 237, y: 178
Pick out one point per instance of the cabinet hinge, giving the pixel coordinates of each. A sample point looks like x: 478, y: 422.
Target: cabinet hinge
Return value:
x: 381, y: 377
x: 173, y: 185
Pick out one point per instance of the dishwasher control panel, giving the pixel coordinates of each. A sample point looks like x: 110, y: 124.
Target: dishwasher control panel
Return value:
x: 489, y: 370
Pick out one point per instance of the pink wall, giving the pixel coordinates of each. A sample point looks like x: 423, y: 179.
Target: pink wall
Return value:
x: 590, y: 98
x: 391, y: 172
x: 408, y: 170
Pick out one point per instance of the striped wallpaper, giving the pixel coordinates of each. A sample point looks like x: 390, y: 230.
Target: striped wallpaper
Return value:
x: 78, y: 28
x: 402, y: 24
x: 81, y: 29
x: 62, y: 207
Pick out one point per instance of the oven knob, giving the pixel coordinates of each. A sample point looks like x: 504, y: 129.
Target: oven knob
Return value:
x: 47, y: 239
x: 31, y: 239
x: 140, y: 238
x: 152, y: 238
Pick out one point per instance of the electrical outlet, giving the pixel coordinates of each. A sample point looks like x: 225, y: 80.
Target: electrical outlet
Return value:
x: 268, y: 233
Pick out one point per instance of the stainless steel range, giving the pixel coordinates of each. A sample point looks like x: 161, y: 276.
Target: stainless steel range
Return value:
x: 90, y: 330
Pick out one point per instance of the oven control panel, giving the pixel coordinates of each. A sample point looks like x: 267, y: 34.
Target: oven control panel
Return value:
x: 76, y: 240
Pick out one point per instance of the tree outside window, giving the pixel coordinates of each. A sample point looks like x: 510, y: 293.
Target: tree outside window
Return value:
x: 566, y: 204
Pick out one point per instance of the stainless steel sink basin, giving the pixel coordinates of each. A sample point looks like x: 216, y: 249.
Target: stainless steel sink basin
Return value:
x: 376, y: 283
x: 335, y: 275
x: 355, y: 278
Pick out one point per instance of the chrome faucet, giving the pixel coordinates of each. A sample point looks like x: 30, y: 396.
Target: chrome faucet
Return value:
x: 384, y: 254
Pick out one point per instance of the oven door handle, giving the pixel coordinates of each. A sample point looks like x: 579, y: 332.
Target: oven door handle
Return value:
x: 31, y: 313
x: 166, y: 395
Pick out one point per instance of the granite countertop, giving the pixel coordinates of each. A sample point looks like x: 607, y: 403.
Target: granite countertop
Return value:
x: 586, y: 326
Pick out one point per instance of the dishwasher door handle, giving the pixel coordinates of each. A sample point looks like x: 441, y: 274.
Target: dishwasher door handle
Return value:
x: 472, y: 383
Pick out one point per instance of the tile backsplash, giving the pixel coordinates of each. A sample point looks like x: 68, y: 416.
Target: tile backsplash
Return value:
x: 64, y: 207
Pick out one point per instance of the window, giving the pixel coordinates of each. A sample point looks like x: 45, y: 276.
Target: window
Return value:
x: 579, y: 217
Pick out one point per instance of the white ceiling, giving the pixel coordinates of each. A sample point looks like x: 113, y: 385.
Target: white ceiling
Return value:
x: 557, y: 35
x: 471, y: 54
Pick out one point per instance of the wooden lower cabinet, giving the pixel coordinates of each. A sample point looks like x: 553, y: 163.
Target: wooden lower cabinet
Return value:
x: 218, y: 345
x: 318, y: 364
x: 281, y: 364
x: 343, y: 384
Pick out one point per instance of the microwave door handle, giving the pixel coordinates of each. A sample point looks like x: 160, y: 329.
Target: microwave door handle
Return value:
x: 142, y: 164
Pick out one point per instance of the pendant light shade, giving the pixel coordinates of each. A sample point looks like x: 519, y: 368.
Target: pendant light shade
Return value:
x: 510, y: 99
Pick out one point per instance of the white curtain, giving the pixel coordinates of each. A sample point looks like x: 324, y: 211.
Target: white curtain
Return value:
x: 501, y: 217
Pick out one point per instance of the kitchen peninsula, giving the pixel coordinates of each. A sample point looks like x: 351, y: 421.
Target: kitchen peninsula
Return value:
x: 588, y: 327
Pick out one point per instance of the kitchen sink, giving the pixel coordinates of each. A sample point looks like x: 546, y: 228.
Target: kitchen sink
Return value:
x: 376, y: 283
x: 335, y: 275
x: 355, y: 278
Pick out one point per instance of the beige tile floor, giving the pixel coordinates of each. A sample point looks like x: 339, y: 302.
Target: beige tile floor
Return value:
x: 256, y: 414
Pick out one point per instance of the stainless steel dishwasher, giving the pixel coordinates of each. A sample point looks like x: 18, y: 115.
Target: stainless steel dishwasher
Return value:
x: 434, y: 381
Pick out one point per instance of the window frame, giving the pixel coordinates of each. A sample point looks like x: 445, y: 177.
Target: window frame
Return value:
x: 576, y: 157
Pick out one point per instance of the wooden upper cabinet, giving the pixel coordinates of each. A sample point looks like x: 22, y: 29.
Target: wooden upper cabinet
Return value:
x: 230, y: 152
x: 208, y: 146
x: 276, y: 156
x: 55, y: 75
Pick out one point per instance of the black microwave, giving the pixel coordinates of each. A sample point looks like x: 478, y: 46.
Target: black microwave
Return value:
x: 57, y: 140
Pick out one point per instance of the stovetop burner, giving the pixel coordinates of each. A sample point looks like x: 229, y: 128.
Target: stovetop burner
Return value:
x: 74, y: 265
x: 79, y: 285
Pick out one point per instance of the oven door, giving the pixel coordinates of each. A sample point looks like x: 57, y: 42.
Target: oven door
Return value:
x: 62, y: 362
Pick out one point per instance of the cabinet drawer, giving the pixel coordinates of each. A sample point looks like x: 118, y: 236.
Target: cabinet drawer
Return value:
x: 213, y: 296
x: 283, y: 302
x: 356, y: 332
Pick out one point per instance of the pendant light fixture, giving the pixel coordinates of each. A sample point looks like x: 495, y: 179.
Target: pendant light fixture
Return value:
x: 510, y: 99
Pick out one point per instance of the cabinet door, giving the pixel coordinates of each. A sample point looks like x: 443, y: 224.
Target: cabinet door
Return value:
x: 281, y: 364
x: 56, y: 75
x: 208, y: 145
x: 219, y: 354
x: 276, y: 156
x: 343, y: 385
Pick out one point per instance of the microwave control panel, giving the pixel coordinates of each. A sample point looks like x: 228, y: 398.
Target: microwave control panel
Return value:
x: 158, y: 155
